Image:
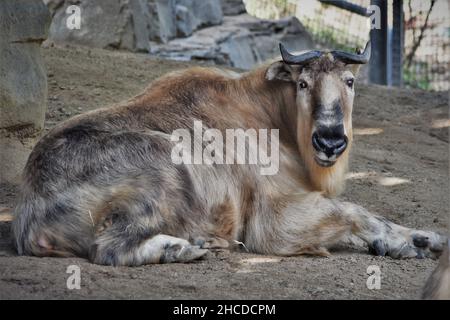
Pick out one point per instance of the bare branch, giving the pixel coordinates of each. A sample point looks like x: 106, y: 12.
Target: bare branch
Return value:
x: 417, y: 42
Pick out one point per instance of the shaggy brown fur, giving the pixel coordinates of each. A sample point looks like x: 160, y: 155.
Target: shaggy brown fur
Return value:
x: 102, y: 185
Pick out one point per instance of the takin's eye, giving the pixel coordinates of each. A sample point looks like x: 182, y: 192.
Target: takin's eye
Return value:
x: 303, y: 84
x: 350, y: 82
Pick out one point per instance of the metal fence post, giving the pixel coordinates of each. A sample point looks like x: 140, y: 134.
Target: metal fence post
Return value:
x: 379, y: 38
x: 397, y: 43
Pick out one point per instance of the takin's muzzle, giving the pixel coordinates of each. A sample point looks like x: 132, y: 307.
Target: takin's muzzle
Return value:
x: 329, y: 139
x: 331, y: 142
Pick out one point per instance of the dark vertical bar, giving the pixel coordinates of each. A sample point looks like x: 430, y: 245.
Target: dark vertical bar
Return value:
x: 397, y: 43
x: 379, y: 38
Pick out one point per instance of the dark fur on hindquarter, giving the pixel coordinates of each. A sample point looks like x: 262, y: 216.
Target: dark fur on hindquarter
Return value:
x: 88, y: 174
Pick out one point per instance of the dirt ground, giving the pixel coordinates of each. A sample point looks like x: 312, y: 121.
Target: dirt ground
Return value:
x: 399, y: 168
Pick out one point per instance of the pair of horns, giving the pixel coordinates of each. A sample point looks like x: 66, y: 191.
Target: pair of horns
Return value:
x: 345, y: 57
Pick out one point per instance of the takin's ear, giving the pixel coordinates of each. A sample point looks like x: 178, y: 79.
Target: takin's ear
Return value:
x: 281, y: 71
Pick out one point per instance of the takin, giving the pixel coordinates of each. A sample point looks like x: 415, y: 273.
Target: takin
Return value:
x: 104, y: 186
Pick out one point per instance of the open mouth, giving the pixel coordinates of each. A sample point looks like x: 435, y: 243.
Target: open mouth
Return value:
x: 324, y: 163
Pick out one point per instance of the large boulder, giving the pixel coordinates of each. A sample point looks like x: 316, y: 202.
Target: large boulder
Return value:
x: 119, y: 24
x: 23, y: 82
x: 241, y: 41
x: 180, y: 29
x: 131, y: 24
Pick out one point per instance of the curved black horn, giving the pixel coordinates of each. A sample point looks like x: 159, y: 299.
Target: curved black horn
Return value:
x: 298, y: 59
x: 353, y: 58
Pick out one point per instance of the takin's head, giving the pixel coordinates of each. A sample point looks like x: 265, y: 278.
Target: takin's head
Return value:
x: 324, y: 98
x: 322, y: 87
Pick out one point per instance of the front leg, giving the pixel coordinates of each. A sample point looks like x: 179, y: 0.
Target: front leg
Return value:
x: 309, y: 224
x: 387, y: 238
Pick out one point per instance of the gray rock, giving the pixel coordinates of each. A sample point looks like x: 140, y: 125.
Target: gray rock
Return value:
x: 23, y: 82
x: 240, y: 41
x: 237, y: 40
x: 192, y: 15
x: 140, y: 16
x: 240, y: 51
x: 53, y: 5
x: 162, y: 23
x: 121, y: 24
x: 186, y: 21
x: 233, y: 7
x: 130, y: 24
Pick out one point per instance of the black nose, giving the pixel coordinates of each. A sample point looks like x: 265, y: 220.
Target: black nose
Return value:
x: 330, y: 141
